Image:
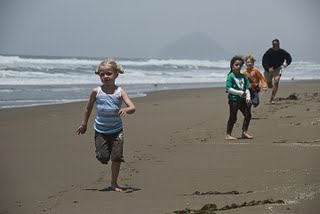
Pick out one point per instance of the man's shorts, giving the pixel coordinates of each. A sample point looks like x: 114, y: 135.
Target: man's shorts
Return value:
x: 270, y: 75
x: 109, y: 146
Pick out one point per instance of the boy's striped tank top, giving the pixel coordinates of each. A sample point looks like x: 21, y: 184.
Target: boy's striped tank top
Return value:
x: 108, y: 105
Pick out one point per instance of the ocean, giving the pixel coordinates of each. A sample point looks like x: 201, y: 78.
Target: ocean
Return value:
x: 31, y: 81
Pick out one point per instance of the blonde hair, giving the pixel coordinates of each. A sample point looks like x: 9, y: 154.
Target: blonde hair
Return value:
x: 250, y: 56
x: 109, y: 62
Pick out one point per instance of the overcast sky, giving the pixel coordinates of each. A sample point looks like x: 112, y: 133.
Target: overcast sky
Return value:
x: 140, y: 28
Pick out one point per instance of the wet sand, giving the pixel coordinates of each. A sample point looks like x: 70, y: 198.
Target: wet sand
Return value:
x: 176, y: 157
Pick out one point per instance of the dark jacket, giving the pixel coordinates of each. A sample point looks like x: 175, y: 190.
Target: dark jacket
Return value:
x: 275, y: 59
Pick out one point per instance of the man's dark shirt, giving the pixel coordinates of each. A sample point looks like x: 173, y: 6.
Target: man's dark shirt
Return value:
x: 275, y: 59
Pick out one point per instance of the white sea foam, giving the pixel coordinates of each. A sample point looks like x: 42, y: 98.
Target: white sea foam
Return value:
x: 43, y: 61
x: 37, y: 78
x: 17, y: 70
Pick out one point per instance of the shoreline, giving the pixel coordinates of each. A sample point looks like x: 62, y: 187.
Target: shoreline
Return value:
x: 141, y: 93
x: 174, y: 148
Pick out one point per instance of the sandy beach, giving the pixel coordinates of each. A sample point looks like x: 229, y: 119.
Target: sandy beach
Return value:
x: 177, y: 159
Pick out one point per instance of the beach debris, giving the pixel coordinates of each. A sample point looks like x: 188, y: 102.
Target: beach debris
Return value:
x: 290, y: 97
x: 281, y: 141
x: 182, y: 211
x: 211, y: 208
x: 259, y: 118
x: 316, y: 122
x: 309, y: 142
x: 206, y: 209
x: 296, y: 124
x: 288, y: 116
x: 233, y: 192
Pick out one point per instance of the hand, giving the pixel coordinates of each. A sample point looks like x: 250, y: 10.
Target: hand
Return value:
x: 123, y: 112
x: 271, y: 69
x: 248, y: 101
x: 244, y: 94
x: 284, y: 65
x: 82, y: 129
x: 264, y: 88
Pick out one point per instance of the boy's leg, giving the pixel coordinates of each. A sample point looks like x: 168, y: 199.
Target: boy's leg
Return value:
x: 116, y: 158
x: 102, y: 147
x: 115, y: 169
x: 255, y: 98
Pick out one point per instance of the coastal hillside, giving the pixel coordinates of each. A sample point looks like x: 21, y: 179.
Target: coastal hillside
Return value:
x: 194, y: 46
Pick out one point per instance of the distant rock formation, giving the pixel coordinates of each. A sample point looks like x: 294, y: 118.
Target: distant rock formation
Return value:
x: 194, y: 46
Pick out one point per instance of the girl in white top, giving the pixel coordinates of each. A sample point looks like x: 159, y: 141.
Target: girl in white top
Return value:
x: 108, y: 124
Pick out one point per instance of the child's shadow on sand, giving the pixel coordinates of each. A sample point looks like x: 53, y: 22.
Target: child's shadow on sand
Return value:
x: 109, y: 189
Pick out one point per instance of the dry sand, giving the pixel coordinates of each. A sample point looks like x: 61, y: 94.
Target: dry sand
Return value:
x: 176, y: 156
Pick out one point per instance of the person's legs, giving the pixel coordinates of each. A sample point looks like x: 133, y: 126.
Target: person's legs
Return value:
x: 110, y: 146
x: 268, y: 76
x: 115, y: 169
x: 103, y: 149
x: 116, y: 158
x: 233, y: 110
x: 275, y: 87
x: 255, y: 98
x: 246, y: 111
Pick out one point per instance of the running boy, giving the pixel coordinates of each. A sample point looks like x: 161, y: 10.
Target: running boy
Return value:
x: 255, y: 77
x: 108, y: 123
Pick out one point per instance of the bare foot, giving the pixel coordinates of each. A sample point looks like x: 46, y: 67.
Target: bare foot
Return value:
x: 246, y: 135
x: 229, y: 137
x: 116, y: 188
x: 272, y: 102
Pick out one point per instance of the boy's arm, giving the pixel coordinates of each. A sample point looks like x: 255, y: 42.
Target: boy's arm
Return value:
x: 86, y: 113
x: 130, y: 109
x: 89, y: 106
x: 245, y: 72
x: 263, y: 80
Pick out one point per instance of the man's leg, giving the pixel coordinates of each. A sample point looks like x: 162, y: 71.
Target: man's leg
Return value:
x: 270, y: 85
x: 268, y: 77
x: 275, y: 87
